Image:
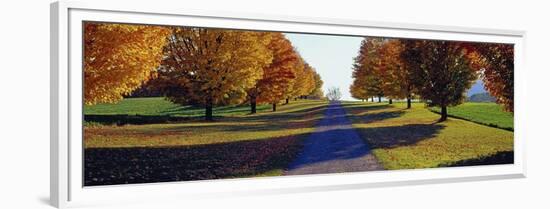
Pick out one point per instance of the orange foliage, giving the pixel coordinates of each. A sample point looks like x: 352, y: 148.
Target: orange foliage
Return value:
x: 208, y: 67
x: 119, y: 58
x: 496, y: 65
x: 394, y: 74
x: 279, y: 75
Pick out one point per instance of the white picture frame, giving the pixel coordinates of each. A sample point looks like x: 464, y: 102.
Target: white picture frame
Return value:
x: 66, y: 95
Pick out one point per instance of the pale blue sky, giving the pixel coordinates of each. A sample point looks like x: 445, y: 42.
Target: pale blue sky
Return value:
x: 332, y: 57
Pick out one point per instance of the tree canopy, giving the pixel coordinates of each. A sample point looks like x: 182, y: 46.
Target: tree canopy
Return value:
x: 119, y: 58
x: 441, y: 72
x: 208, y: 67
x: 366, y: 81
x: 496, y: 64
x: 277, y: 76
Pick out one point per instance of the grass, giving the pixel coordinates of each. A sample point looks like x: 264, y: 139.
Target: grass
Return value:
x: 236, y: 144
x: 143, y: 140
x: 158, y: 106
x: 408, y: 138
x: 490, y: 114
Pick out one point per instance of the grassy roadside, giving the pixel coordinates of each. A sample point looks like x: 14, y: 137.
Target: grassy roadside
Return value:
x: 407, y: 139
x: 490, y: 114
x: 158, y: 106
x: 233, y: 146
x: 156, y: 110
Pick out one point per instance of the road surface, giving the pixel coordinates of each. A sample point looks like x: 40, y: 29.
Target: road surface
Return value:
x: 334, y: 147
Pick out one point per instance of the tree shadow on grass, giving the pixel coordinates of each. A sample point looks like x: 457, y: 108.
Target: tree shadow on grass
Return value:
x: 109, y: 166
x: 379, y: 116
x: 396, y: 136
x: 230, y: 109
x: 503, y: 157
x: 125, y: 119
x: 352, y: 108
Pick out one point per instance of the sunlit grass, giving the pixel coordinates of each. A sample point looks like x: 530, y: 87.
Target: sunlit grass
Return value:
x: 285, y: 122
x: 158, y: 106
x: 486, y: 113
x: 406, y: 139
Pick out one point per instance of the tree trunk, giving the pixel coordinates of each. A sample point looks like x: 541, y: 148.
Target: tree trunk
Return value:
x: 379, y: 99
x: 443, y: 113
x: 295, y: 98
x: 305, y: 97
x: 208, y: 111
x: 253, y: 105
x: 286, y: 101
x: 409, y: 96
x: 391, y: 102
x: 371, y: 99
x: 274, y: 105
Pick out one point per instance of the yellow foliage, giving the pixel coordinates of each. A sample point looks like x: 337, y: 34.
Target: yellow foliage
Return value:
x: 305, y: 79
x: 279, y: 75
x: 118, y: 58
x: 209, y: 67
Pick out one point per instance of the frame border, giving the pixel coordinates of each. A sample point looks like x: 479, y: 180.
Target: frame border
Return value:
x: 59, y: 84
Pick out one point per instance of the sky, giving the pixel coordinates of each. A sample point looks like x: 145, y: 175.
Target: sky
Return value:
x: 332, y: 57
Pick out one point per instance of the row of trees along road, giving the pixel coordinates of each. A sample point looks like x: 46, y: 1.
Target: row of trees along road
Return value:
x: 195, y: 66
x: 439, y: 72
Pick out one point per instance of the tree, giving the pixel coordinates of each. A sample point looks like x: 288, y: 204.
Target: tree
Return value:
x: 277, y: 76
x: 440, y: 71
x: 305, y: 82
x: 309, y: 81
x: 208, y: 67
x: 334, y: 94
x: 317, y: 92
x: 496, y: 65
x: 395, y: 75
x: 119, y: 58
x: 366, y: 81
x: 357, y: 91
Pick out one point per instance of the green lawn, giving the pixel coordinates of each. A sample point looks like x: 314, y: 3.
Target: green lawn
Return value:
x: 486, y: 113
x: 236, y: 144
x: 158, y: 106
x: 407, y: 139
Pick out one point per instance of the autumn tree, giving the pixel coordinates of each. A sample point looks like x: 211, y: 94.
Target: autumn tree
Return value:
x: 298, y: 68
x: 317, y: 92
x: 496, y: 65
x: 357, y: 91
x: 364, y: 73
x: 395, y: 75
x: 277, y: 76
x: 208, y: 67
x: 308, y: 80
x: 305, y: 80
x: 119, y: 58
x: 440, y: 71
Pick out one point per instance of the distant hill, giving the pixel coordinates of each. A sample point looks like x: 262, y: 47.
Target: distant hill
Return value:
x: 481, y: 97
x: 477, y: 88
